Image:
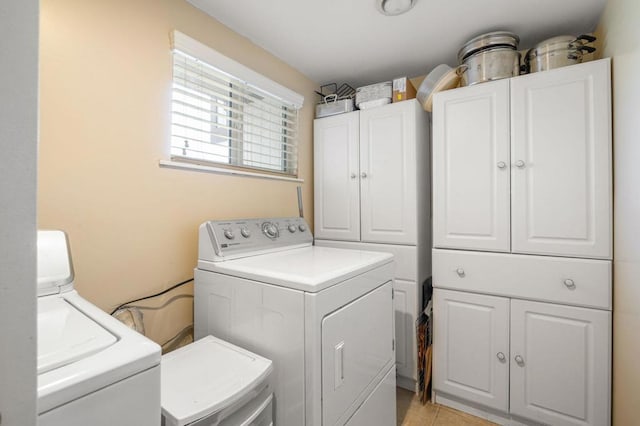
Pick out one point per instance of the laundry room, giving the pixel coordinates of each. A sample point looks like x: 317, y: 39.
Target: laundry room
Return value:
x: 324, y: 275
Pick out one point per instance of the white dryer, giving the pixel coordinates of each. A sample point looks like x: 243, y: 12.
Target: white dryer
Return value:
x: 323, y: 315
x: 92, y: 369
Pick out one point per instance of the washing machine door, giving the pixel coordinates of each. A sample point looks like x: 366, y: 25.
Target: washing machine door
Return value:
x: 357, y: 351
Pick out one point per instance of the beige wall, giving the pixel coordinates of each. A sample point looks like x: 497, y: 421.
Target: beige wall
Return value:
x: 105, y: 106
x: 619, y: 33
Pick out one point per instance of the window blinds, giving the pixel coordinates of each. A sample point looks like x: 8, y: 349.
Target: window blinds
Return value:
x: 222, y: 119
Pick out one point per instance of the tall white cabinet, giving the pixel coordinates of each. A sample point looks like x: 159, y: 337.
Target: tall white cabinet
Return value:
x: 372, y: 192
x: 522, y: 234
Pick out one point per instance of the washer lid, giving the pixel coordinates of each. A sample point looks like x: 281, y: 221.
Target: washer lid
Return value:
x: 55, y: 270
x: 207, y: 376
x: 66, y: 335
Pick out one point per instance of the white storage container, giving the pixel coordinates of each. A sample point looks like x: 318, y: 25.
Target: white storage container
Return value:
x: 334, y: 106
x: 374, y: 95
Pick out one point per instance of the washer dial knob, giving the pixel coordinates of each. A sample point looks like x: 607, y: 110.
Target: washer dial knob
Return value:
x: 270, y: 230
x: 302, y: 227
x: 245, y: 232
x: 228, y: 233
x: 292, y: 228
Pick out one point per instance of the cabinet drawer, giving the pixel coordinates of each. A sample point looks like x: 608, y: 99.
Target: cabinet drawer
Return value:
x: 580, y: 282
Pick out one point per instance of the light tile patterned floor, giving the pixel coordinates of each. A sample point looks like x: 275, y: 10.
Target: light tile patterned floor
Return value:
x: 412, y: 413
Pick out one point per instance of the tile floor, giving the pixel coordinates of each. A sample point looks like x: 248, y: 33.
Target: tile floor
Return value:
x: 410, y: 412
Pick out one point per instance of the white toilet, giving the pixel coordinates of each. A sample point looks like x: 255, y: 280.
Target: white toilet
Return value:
x: 213, y: 383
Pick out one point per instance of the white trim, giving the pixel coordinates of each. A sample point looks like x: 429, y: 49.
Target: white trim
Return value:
x: 225, y: 171
x: 198, y: 50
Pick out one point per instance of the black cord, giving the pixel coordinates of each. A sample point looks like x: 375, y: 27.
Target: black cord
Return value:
x: 152, y: 296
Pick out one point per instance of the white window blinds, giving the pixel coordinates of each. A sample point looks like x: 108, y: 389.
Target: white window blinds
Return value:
x: 224, y: 113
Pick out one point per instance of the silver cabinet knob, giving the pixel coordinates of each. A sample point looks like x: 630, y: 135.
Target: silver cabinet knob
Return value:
x: 363, y: 175
x: 519, y: 360
x: 460, y: 272
x: 353, y: 175
x: 501, y: 356
x: 569, y: 283
x: 502, y: 164
x: 520, y: 164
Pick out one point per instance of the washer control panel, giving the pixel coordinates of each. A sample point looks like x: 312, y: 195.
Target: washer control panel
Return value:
x: 239, y: 238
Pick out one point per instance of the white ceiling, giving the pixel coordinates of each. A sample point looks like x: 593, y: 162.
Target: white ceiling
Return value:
x: 350, y: 41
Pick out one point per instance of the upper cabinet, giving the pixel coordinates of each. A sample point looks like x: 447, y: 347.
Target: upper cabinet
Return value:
x: 524, y: 165
x: 471, y: 168
x: 366, y: 174
x: 336, y: 177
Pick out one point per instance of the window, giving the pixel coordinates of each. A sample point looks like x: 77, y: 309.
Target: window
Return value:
x: 225, y: 113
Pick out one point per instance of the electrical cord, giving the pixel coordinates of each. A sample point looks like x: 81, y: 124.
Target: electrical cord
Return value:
x: 151, y: 296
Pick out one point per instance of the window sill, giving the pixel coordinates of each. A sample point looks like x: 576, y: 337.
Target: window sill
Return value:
x: 224, y: 171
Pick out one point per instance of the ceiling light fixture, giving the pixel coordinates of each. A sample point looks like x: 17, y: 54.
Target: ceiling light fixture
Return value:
x: 395, y: 7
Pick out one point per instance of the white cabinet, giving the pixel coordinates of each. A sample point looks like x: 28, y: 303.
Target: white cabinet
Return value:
x: 406, y: 313
x: 471, y: 347
x: 388, y: 173
x: 471, y: 168
x: 561, y: 149
x: 366, y: 174
x: 372, y: 192
x: 336, y: 183
x: 560, y: 357
x: 522, y: 228
x: 541, y: 362
x: 556, y: 147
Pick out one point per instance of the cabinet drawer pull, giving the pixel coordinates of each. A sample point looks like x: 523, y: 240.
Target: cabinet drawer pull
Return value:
x: 501, y: 164
x: 520, y: 164
x: 460, y: 272
x: 363, y: 175
x: 519, y: 360
x: 501, y: 356
x: 353, y: 175
x: 570, y: 283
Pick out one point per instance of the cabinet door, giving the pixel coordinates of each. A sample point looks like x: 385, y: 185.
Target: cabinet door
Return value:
x: 337, y: 188
x: 471, y: 168
x: 561, y: 161
x: 388, y: 173
x: 406, y: 309
x: 560, y: 363
x: 471, y: 347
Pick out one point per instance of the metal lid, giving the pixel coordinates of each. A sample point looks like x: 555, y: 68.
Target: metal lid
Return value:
x: 484, y: 41
x: 553, y: 44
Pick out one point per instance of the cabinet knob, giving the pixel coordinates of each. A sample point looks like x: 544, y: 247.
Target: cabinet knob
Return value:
x: 519, y: 360
x: 502, y: 164
x: 363, y: 175
x: 460, y: 272
x: 353, y: 175
x: 520, y: 164
x: 570, y: 283
x: 501, y: 356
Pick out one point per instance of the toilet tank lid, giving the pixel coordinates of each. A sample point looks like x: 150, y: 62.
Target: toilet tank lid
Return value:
x: 55, y: 269
x: 208, y: 376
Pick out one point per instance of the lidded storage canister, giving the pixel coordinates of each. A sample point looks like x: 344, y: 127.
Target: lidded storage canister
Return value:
x: 489, y: 56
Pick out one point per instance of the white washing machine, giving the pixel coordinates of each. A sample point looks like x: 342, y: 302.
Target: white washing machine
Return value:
x: 324, y: 316
x: 92, y: 369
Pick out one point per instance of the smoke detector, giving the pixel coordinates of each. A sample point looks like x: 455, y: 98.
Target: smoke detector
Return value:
x: 395, y: 7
